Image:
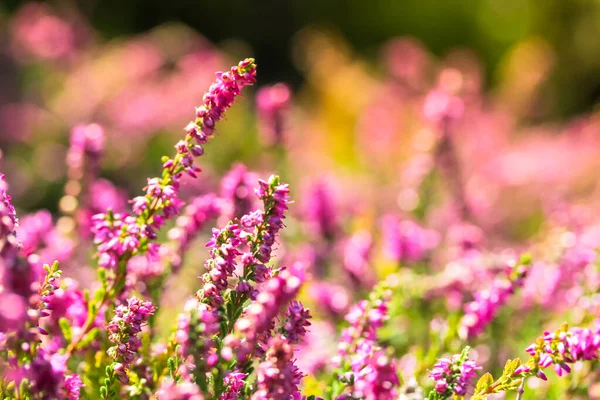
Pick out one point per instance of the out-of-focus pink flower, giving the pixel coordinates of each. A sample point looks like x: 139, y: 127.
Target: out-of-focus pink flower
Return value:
x: 272, y: 103
x: 405, y: 241
x: 442, y: 107
x: 37, y: 33
x: 357, y: 254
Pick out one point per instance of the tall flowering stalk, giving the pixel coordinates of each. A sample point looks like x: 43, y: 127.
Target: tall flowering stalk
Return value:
x: 120, y: 236
x: 480, y: 312
x: 363, y: 369
x: 212, y: 316
x: 452, y: 376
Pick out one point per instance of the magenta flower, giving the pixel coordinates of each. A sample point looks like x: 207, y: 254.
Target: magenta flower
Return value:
x: 480, y: 312
x: 255, y: 325
x: 277, y: 377
x: 234, y: 383
x: 295, y: 323
x: 73, y: 386
x: 271, y: 104
x: 405, y: 241
x: 237, y: 188
x: 561, y: 348
x: 453, y: 375
x: 123, y: 328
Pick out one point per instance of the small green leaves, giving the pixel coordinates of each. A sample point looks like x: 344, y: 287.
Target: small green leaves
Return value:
x: 65, y: 327
x: 484, y: 383
x: 511, y: 366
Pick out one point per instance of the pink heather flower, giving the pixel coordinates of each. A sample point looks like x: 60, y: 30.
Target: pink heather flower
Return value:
x: 195, y: 327
x: 361, y: 363
x: 193, y: 219
x: 405, y: 241
x: 320, y: 210
x: 258, y: 230
x: 480, y: 312
x: 47, y: 373
x: 87, y: 144
x: 357, y: 255
x: 237, y: 189
x: 39, y: 34
x: 42, y: 242
x: 234, y: 384
x: 564, y: 347
x: 119, y: 236
x: 442, y: 107
x: 258, y: 319
x: 374, y: 374
x: 272, y: 103
x: 317, y: 347
x: 13, y: 310
x: 184, y: 390
x: 68, y: 302
x: 277, y: 377
x: 333, y: 299
x: 295, y: 323
x: 123, y: 328
x: 454, y: 375
x: 73, y: 386
x: 9, y: 220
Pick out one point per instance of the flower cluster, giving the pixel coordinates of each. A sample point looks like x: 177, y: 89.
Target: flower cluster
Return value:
x: 362, y: 365
x: 453, y: 375
x: 480, y: 312
x: 123, y: 329
x: 119, y: 236
x: 277, y: 377
x: 252, y: 331
x: 405, y: 241
x: 561, y: 348
x: 295, y: 323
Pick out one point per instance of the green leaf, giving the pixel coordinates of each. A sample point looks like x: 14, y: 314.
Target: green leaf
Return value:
x: 89, y: 338
x: 484, y: 383
x: 65, y: 327
x: 510, y: 367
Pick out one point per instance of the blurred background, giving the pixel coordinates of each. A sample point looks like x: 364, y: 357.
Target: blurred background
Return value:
x: 138, y: 67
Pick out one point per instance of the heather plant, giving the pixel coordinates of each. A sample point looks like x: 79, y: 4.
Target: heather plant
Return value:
x: 393, y: 264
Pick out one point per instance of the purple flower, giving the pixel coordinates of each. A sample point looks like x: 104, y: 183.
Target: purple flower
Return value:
x: 357, y: 254
x: 195, y: 327
x: 253, y: 329
x: 237, y: 189
x: 123, y: 328
x: 295, y: 323
x: 320, y: 210
x: 277, y: 377
x: 454, y: 374
x: 183, y: 390
x: 271, y: 104
x: 480, y: 312
x: 234, y: 383
x: 563, y: 347
x: 47, y: 373
x: 73, y: 386
x: 405, y: 241
x: 120, y: 236
x: 361, y: 363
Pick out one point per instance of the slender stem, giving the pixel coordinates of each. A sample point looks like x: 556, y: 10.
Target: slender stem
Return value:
x: 521, y: 389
